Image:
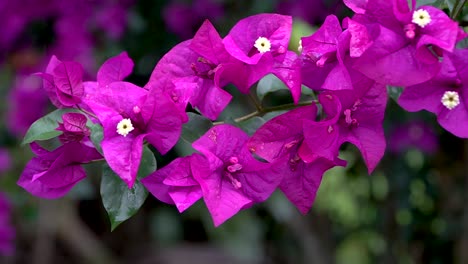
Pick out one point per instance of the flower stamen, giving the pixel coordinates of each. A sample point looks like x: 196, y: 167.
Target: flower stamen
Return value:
x: 450, y: 99
x: 262, y: 44
x: 124, y: 127
x: 421, y: 18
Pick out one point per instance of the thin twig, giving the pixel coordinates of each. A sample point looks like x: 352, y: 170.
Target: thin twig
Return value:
x: 86, y: 112
x: 255, y: 101
x: 268, y: 110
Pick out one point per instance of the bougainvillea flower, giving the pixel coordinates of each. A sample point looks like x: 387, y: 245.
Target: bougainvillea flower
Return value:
x: 323, y: 57
x: 275, y: 138
x: 358, y: 121
x: 174, y: 183
x: 189, y: 73
x: 279, y: 141
x: 51, y: 174
x: 73, y: 127
x: 261, y: 43
x: 7, y: 231
x: 401, y: 54
x: 446, y: 95
x: 63, y: 82
x: 230, y: 178
x: 128, y: 117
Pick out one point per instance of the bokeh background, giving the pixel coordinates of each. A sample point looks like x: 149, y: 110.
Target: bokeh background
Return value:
x: 412, y: 209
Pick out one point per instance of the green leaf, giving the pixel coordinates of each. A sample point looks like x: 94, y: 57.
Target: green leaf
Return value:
x: 394, y: 92
x: 147, y: 164
x: 251, y: 125
x: 120, y: 202
x: 450, y: 4
x: 269, y: 84
x: 437, y: 3
x: 96, y: 135
x: 195, y: 127
x: 44, y: 128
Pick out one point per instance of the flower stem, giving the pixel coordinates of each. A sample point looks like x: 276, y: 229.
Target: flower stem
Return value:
x: 86, y: 112
x: 265, y: 110
x: 255, y: 101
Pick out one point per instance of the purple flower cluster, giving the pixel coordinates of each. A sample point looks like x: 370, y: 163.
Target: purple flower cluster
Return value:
x: 347, y: 64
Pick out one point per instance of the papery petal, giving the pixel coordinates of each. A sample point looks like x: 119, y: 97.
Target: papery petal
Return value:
x: 221, y: 198
x: 221, y: 142
x: 371, y: 143
x: 177, y: 173
x: 276, y: 137
x: 358, y: 6
x: 68, y: 77
x: 209, y: 44
x: 210, y: 100
x: 391, y: 60
x: 325, y: 39
x: 184, y: 197
x: 258, y: 179
x: 163, y: 124
x: 368, y: 135
x: 115, y: 69
x: 289, y: 72
x: 241, y: 39
x: 320, y: 140
x: 361, y: 38
x: 300, y: 184
x: 75, y: 122
x: 123, y: 154
x: 441, y: 31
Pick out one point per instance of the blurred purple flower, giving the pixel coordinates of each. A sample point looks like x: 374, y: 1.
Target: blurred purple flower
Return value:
x: 15, y: 16
x: 183, y: 19
x: 7, y: 231
x: 413, y: 134
x: 5, y: 160
x: 312, y: 11
x: 27, y: 102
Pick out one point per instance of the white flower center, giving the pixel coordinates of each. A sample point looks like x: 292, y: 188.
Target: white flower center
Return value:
x: 124, y: 127
x: 262, y: 44
x: 421, y: 18
x: 299, y: 48
x: 450, y: 100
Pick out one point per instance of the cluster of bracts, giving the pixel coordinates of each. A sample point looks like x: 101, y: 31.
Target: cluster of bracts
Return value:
x: 348, y: 65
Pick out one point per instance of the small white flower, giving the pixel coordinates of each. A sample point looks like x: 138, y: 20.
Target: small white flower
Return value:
x: 262, y: 44
x: 421, y: 18
x: 124, y: 127
x: 450, y: 99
